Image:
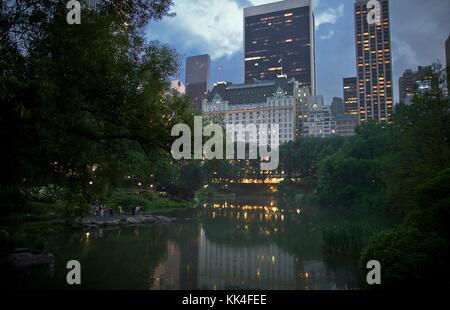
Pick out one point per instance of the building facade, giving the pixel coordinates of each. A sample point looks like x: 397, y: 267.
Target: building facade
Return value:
x: 346, y: 124
x: 279, y: 40
x: 337, y: 106
x: 413, y: 82
x: 197, y: 78
x: 351, y: 95
x: 374, y: 63
x: 281, y: 102
x: 320, y: 123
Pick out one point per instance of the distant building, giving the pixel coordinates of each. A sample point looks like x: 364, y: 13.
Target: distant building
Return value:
x: 346, y: 124
x: 281, y: 102
x: 351, y: 95
x: 374, y: 63
x: 279, y: 40
x: 177, y: 86
x: 414, y: 82
x: 320, y: 123
x: 197, y: 78
x: 337, y: 106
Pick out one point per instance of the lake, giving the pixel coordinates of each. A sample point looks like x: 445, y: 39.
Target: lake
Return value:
x: 249, y: 242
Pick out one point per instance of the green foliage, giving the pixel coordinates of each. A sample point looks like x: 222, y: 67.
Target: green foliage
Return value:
x: 409, y: 257
x: 350, y: 175
x: 87, y: 108
x: 301, y: 158
x: 147, y: 201
x: 46, y: 194
x: 128, y: 199
x: 74, y: 206
x: 385, y: 175
x: 347, y: 238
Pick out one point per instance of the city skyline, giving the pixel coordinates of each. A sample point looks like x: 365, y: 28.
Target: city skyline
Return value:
x: 411, y: 46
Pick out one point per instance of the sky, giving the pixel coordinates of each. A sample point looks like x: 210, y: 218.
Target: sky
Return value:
x: 419, y: 29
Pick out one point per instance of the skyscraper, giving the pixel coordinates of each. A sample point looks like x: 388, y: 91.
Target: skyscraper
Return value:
x: 374, y: 62
x: 279, y: 40
x: 197, y: 78
x: 351, y: 96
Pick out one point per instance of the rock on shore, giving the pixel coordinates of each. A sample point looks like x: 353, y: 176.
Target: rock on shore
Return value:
x: 24, y: 258
x: 92, y: 222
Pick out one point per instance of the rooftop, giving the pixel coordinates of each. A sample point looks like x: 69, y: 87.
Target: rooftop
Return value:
x: 252, y: 93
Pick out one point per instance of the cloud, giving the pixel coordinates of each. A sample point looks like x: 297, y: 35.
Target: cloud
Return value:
x: 329, y: 15
x: 328, y: 35
x: 405, y: 51
x: 261, y: 2
x: 215, y: 26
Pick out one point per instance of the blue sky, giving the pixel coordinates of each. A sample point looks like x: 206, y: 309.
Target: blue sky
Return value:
x: 418, y: 29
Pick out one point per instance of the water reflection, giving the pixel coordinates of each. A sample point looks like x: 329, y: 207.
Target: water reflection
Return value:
x: 238, y: 248
x: 258, y: 267
x: 258, y: 243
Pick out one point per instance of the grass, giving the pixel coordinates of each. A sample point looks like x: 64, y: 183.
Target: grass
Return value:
x: 147, y: 201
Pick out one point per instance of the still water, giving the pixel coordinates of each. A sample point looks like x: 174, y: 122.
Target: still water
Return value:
x: 247, y: 243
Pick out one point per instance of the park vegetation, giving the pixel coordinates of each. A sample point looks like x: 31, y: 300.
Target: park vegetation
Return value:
x: 86, y: 114
x: 391, y: 184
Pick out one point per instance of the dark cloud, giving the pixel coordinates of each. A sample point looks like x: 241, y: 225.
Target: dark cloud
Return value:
x: 419, y: 30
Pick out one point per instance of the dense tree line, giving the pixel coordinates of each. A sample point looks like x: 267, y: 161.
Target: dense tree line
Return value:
x: 83, y: 106
x: 398, y: 171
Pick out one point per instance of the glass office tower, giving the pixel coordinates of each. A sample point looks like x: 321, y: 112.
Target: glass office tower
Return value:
x: 279, y: 41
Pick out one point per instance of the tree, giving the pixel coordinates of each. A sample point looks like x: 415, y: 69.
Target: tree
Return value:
x: 81, y: 96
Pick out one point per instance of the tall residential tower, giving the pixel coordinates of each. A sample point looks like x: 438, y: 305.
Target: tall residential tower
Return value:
x: 279, y: 41
x: 374, y: 61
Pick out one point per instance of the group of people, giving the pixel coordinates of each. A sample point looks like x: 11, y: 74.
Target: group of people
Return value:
x: 100, y: 210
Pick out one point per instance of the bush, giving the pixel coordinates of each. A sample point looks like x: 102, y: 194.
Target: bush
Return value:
x: 46, y: 194
x: 147, y: 201
x: 347, y: 238
x: 408, y: 257
x: 128, y: 199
